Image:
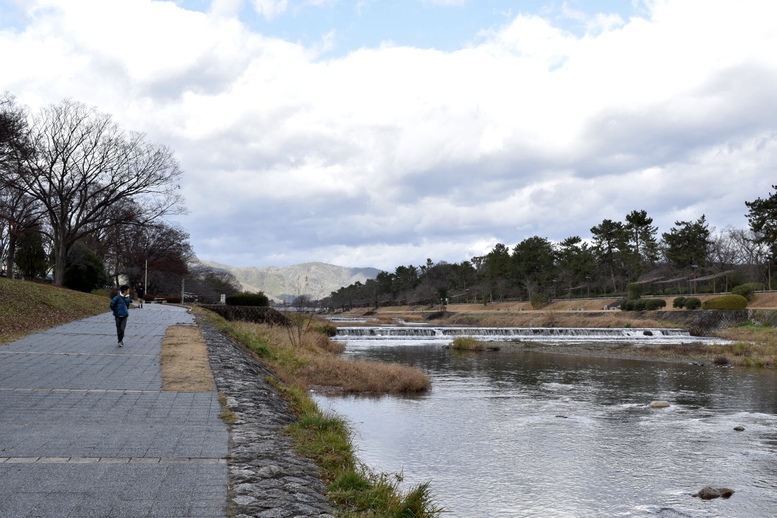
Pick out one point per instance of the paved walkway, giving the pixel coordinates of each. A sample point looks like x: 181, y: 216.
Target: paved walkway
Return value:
x: 86, y: 430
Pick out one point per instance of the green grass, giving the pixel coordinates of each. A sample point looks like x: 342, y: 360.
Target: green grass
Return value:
x: 27, y: 307
x: 353, y: 489
x: 468, y: 343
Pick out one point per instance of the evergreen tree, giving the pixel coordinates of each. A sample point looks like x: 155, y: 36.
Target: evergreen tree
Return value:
x: 762, y: 216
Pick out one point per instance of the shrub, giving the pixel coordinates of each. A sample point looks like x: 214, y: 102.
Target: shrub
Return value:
x: 678, y: 302
x: 634, y: 305
x: 654, y: 304
x: 84, y: 270
x: 747, y: 290
x: 721, y: 360
x: 725, y: 302
x: 248, y: 299
x: 467, y: 343
x: 692, y: 303
x: 326, y: 329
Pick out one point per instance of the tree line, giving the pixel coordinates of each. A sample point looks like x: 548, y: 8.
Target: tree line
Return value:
x: 86, y: 200
x: 619, y: 258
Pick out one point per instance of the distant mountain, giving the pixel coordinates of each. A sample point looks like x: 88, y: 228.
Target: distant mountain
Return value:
x: 285, y: 283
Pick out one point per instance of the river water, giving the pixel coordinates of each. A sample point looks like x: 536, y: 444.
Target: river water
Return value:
x: 531, y: 434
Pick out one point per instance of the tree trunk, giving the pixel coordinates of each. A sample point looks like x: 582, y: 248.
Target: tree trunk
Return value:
x: 11, y: 255
x: 60, y: 258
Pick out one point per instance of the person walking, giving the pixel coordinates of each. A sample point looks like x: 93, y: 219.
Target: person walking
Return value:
x: 141, y: 291
x: 120, y: 307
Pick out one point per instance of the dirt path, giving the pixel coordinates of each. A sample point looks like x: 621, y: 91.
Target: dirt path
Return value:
x: 185, y: 361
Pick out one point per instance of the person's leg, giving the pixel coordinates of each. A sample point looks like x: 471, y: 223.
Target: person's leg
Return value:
x: 121, y: 325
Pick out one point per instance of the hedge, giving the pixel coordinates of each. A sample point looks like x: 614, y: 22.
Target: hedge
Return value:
x: 633, y: 305
x: 692, y: 303
x: 248, y: 299
x: 654, y: 304
x: 678, y: 302
x: 643, y: 305
x: 725, y: 302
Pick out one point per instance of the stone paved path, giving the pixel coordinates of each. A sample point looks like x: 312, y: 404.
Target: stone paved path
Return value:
x: 85, y: 429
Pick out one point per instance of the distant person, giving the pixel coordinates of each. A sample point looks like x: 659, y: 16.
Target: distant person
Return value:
x: 120, y: 307
x: 141, y: 291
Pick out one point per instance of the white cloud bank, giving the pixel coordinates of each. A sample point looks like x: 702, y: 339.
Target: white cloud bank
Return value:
x: 389, y: 155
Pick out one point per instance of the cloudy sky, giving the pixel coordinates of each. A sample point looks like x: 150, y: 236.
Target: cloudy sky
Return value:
x: 384, y: 132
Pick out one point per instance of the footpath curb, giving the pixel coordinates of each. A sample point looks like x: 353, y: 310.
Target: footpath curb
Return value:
x: 267, y: 478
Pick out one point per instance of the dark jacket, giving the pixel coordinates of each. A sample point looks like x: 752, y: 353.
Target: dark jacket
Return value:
x: 120, y: 305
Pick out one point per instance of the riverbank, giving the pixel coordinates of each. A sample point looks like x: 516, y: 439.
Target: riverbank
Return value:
x: 560, y: 313
x: 287, y: 362
x: 751, y: 333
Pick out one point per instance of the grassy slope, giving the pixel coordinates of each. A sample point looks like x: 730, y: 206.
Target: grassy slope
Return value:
x: 27, y: 307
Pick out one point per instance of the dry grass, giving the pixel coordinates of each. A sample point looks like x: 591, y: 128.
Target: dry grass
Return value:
x: 185, y: 366
x: 296, y: 360
x: 316, y: 362
x: 737, y: 354
x: 468, y: 343
x: 752, y: 346
x: 27, y: 307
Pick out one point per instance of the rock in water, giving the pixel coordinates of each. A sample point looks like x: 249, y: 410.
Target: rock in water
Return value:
x: 708, y: 493
x: 659, y: 404
x: 739, y: 428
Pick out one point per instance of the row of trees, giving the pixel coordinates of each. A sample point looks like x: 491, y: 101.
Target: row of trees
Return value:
x: 689, y: 258
x: 83, y: 198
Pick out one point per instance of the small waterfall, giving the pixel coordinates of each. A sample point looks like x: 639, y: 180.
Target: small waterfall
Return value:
x: 544, y: 334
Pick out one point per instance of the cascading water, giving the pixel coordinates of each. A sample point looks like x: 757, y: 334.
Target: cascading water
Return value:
x: 525, y: 334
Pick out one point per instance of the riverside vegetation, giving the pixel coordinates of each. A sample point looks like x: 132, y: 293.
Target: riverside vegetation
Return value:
x: 307, y: 358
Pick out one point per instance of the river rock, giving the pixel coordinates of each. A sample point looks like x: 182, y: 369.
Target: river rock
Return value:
x: 739, y: 428
x: 708, y: 493
x: 659, y: 404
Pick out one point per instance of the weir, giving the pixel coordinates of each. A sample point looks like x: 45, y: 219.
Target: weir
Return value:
x: 544, y: 334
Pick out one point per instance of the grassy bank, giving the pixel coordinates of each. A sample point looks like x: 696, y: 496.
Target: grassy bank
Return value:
x: 27, y: 307
x: 301, y: 359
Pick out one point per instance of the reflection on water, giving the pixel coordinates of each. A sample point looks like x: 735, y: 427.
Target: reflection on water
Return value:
x: 516, y: 433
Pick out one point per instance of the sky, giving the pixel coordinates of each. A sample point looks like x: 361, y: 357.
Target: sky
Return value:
x: 380, y: 133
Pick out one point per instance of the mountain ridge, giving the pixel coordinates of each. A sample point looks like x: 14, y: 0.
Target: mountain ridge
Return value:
x: 285, y: 283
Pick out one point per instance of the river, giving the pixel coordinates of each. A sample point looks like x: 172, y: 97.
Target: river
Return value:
x: 517, y: 433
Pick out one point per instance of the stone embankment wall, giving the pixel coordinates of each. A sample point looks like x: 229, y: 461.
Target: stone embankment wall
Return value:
x: 267, y: 478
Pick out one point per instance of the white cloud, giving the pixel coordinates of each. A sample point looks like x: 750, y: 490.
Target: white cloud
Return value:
x: 389, y: 155
x: 226, y: 8
x: 270, y: 8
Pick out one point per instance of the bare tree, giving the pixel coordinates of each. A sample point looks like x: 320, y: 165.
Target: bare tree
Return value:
x: 83, y: 165
x: 18, y: 211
